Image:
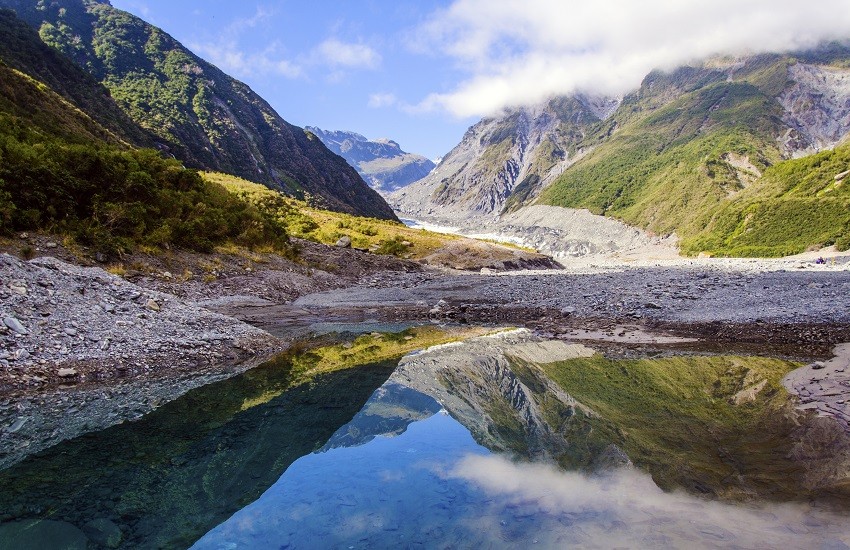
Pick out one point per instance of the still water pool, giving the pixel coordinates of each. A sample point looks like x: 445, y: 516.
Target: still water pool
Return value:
x: 502, y: 441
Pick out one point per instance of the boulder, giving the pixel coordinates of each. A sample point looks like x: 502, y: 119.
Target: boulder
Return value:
x: 343, y: 242
x: 14, y: 325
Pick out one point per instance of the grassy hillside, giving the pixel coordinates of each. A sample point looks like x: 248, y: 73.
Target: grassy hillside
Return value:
x: 664, y: 169
x: 199, y: 114
x: 695, y: 153
x: 64, y: 172
x: 22, y: 49
x: 797, y: 203
x: 323, y: 226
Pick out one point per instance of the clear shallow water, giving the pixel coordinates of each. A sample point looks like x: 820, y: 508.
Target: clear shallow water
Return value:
x: 434, y: 487
x: 369, y: 458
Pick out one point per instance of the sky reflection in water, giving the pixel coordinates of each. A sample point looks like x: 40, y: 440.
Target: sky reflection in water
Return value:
x: 433, y: 486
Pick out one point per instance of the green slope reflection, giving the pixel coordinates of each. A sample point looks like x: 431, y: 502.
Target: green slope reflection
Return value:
x: 165, y: 480
x: 426, y: 483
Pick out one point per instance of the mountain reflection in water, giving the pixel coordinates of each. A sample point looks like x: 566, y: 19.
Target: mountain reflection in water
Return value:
x: 500, y: 441
x: 434, y: 487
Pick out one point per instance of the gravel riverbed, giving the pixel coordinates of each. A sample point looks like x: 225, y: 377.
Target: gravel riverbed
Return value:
x: 81, y: 349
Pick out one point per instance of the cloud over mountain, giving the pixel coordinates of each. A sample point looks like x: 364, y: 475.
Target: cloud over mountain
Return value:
x: 518, y: 52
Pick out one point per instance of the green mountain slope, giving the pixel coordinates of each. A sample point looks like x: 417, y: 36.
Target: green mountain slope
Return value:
x: 22, y: 49
x: 797, y: 203
x: 199, y: 114
x: 63, y: 171
x: 700, y: 152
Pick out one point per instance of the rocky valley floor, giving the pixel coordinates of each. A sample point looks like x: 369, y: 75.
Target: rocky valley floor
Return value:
x: 79, y: 338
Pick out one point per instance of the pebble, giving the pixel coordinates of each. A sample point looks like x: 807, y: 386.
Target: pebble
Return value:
x: 17, y: 425
x: 152, y: 305
x: 67, y: 373
x: 14, y: 325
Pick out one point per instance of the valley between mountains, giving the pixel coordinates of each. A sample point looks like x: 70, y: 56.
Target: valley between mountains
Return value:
x: 656, y: 284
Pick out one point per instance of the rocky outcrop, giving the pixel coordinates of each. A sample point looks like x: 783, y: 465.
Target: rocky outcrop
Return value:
x: 381, y: 162
x: 514, y: 154
x: 817, y: 108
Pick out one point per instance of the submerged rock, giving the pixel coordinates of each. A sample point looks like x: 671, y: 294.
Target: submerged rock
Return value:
x: 104, y: 532
x: 35, y: 533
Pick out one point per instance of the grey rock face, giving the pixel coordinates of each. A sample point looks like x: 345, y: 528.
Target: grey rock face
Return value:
x: 519, y: 152
x: 817, y: 108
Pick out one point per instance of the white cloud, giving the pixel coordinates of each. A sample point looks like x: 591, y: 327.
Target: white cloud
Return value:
x: 626, y: 509
x: 350, y: 55
x: 523, y: 51
x: 380, y: 99
x: 227, y: 56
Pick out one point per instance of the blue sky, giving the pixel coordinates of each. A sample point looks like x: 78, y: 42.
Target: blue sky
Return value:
x: 421, y: 72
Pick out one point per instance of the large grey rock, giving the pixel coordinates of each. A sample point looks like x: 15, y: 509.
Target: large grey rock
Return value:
x: 343, y: 242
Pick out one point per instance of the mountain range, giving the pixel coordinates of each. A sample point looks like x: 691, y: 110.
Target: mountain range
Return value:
x: 734, y: 156
x: 169, y: 98
x: 381, y: 162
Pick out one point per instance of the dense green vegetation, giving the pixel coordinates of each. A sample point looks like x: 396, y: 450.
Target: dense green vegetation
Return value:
x: 795, y: 204
x: 115, y: 200
x: 22, y: 49
x: 62, y: 171
x: 712, y: 424
x: 197, y: 113
x: 323, y: 226
x: 666, y: 169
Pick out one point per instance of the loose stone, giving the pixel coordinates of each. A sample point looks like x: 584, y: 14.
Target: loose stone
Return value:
x: 14, y: 325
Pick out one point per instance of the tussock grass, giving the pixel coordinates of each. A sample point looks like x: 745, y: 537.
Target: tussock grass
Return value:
x: 326, y: 227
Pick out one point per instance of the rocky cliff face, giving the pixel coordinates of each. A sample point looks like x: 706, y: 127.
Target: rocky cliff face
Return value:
x: 507, y: 157
x: 817, y: 107
x: 381, y: 162
x: 197, y: 113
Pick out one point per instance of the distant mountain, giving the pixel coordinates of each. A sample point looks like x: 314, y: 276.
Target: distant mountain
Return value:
x: 706, y: 152
x: 196, y: 112
x: 381, y: 162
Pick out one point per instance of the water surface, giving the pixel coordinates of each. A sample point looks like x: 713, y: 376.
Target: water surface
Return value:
x: 502, y: 441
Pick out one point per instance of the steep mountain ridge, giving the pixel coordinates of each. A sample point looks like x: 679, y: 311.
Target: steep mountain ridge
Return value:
x: 502, y: 158
x: 670, y: 159
x: 23, y: 51
x: 381, y: 162
x: 197, y: 113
